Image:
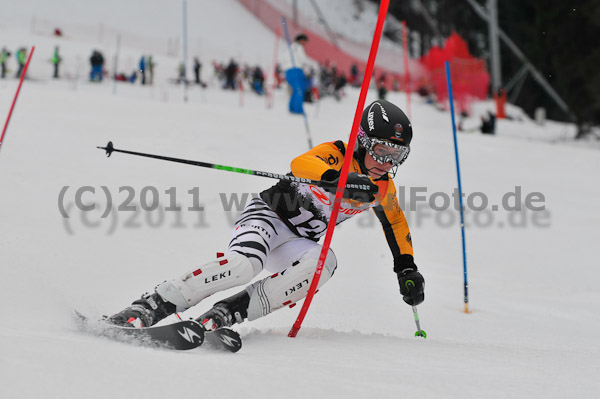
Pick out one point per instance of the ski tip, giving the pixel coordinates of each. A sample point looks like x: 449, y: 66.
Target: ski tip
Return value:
x: 78, y: 316
x: 224, y: 339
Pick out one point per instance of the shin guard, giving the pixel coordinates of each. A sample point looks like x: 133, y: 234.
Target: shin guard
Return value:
x: 289, y: 286
x: 226, y: 271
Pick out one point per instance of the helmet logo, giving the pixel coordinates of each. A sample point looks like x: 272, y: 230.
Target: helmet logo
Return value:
x: 398, y: 130
x: 371, y: 114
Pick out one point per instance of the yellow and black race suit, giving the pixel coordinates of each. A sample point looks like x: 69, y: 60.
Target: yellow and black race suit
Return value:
x: 306, y: 209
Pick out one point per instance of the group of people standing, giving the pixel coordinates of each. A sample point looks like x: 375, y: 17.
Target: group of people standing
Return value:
x: 232, y: 76
x: 146, y: 65
x: 21, y: 56
x: 144, y: 70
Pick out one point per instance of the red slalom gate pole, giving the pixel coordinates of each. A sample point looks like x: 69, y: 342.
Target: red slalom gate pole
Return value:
x: 16, y: 95
x: 383, y: 8
x: 275, y: 77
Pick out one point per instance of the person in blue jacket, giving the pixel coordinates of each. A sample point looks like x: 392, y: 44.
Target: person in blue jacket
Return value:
x: 143, y: 69
x: 295, y: 72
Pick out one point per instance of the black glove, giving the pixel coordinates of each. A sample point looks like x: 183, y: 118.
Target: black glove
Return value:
x: 358, y: 187
x: 412, y: 285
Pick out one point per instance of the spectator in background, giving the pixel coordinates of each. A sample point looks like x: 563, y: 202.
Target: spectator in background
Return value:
x: 340, y: 83
x: 425, y: 90
x: 258, y: 80
x: 121, y: 77
x: 279, y: 78
x: 97, y: 62
x: 354, y: 79
x: 150, y: 67
x: 143, y: 69
x: 181, y: 74
x: 310, y: 85
x: 3, y: 58
x: 381, y: 89
x: 326, y: 78
x: 21, y: 57
x: 230, y: 73
x: 56, y: 60
x: 488, y: 125
x: 295, y: 72
x: 218, y: 71
x: 197, y: 71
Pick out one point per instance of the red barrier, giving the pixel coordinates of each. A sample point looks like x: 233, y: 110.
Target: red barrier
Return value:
x: 323, y: 51
x: 469, y: 74
x: 470, y: 79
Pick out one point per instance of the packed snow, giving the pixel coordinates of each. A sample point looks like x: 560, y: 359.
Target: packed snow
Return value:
x: 533, y: 276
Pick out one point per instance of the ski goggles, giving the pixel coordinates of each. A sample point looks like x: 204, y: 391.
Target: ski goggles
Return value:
x: 383, y: 151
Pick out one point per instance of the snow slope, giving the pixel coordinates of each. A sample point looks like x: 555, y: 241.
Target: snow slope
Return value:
x: 533, y: 275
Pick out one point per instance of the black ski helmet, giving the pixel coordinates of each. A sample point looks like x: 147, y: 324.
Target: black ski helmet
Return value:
x: 383, y: 120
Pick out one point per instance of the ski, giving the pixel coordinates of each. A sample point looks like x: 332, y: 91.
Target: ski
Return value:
x: 181, y: 335
x: 223, y: 338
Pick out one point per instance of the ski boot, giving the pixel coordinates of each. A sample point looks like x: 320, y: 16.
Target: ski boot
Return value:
x: 227, y: 312
x: 144, y: 312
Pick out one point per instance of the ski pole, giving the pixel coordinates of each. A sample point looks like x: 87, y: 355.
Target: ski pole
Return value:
x: 462, y: 215
x: 110, y: 149
x: 419, y: 333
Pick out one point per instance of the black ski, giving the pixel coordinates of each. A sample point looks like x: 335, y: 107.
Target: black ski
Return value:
x: 181, y: 335
x: 223, y: 338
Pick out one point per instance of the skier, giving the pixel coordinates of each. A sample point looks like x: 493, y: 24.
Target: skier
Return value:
x: 279, y: 232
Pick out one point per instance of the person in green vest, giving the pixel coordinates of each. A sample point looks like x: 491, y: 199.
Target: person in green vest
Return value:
x: 56, y: 60
x: 3, y: 58
x: 21, y: 57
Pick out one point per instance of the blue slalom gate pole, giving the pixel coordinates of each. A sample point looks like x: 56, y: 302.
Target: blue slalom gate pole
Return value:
x: 297, y: 87
x: 460, y: 192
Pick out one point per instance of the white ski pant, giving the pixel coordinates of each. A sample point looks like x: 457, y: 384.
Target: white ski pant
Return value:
x: 260, y: 241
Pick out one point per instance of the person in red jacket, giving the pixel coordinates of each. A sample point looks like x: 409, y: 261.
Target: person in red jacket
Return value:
x: 279, y: 231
